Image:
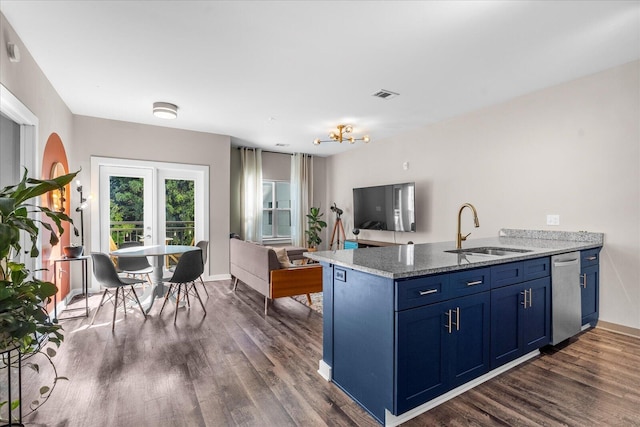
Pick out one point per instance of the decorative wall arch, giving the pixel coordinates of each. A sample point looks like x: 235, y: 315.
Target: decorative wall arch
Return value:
x: 55, y: 154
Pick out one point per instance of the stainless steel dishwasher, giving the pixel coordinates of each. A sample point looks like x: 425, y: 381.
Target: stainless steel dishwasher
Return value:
x: 566, y: 308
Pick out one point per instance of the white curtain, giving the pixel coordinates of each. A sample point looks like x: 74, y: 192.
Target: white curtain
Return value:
x: 251, y: 194
x: 301, y: 196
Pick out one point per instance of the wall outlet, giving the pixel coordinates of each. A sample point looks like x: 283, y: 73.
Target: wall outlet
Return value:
x: 553, y: 219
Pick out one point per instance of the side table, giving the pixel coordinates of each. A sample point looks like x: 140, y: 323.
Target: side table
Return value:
x: 85, y: 287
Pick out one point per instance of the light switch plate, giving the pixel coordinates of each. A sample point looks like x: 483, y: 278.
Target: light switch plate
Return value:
x: 553, y: 219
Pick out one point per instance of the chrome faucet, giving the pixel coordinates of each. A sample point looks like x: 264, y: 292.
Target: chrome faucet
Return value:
x: 460, y: 237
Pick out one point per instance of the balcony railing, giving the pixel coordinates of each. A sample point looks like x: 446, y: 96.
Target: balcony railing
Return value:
x: 177, y: 232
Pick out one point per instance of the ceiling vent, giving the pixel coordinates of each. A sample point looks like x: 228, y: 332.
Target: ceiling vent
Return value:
x: 385, y: 94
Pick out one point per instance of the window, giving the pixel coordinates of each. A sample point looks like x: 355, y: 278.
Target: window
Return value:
x: 276, y: 209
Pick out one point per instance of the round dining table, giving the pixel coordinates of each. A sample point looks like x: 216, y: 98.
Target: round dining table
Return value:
x: 158, y: 252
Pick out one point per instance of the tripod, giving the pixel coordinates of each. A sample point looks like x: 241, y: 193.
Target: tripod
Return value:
x: 337, y: 230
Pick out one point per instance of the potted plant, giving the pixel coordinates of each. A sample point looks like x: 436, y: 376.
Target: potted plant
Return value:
x: 25, y: 324
x: 315, y: 228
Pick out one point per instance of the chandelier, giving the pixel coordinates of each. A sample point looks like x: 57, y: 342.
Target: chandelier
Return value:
x: 341, y: 135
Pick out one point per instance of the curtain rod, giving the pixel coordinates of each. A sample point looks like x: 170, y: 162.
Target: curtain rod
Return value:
x: 272, y: 152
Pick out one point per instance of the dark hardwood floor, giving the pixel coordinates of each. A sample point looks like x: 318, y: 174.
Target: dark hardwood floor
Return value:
x: 236, y: 367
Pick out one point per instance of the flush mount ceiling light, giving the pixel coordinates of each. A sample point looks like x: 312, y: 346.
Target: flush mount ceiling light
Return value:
x: 340, y: 136
x: 165, y: 110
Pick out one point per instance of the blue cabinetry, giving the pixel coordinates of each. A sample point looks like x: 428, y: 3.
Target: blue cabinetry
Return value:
x: 439, y: 347
x: 520, y: 319
x: 590, y: 285
x: 396, y: 344
x: 442, y: 330
x: 520, y: 309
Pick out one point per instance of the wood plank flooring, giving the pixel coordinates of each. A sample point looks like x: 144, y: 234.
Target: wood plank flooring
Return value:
x: 236, y: 367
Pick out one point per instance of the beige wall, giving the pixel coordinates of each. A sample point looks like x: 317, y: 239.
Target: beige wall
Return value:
x: 119, y: 139
x: 276, y: 166
x: 110, y: 138
x: 29, y: 84
x: 571, y: 150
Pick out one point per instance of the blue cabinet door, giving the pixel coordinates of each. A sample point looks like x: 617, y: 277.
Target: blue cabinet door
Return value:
x: 469, y: 347
x: 589, y: 285
x: 520, y: 319
x: 506, y: 324
x: 536, y: 315
x: 441, y: 346
x: 420, y: 356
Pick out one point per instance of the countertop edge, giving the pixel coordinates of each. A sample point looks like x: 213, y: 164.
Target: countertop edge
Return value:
x: 570, y: 245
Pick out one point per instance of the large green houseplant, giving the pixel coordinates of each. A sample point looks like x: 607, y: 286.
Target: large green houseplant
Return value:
x: 315, y: 227
x: 24, y: 321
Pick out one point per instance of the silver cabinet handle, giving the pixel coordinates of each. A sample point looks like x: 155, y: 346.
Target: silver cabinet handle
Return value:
x: 592, y: 258
x: 477, y: 282
x: 430, y: 291
x: 527, y: 293
x: 457, y: 318
x: 584, y: 280
x: 448, y: 325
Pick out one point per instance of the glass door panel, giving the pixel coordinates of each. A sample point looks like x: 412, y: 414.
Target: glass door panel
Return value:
x: 126, y: 209
x: 180, y: 211
x: 181, y: 197
x: 179, y: 222
x: 126, y: 206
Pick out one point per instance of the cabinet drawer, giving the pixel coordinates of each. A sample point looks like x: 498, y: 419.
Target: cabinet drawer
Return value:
x: 507, y: 274
x: 469, y: 282
x: 537, y: 268
x: 589, y: 257
x: 421, y: 291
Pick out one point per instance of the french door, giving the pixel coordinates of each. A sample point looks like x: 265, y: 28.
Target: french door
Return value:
x: 149, y: 202
x: 126, y: 206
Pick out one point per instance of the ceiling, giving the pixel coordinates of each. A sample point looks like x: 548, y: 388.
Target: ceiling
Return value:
x: 287, y: 72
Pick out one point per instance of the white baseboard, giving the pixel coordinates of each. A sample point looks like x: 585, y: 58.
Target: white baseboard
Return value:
x: 217, y: 277
x: 393, y: 420
x: 620, y: 329
x: 62, y: 305
x: 324, y: 370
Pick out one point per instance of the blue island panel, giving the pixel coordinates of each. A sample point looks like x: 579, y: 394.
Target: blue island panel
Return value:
x: 363, y: 338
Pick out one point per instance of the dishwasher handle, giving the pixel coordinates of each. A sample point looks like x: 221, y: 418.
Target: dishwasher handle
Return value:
x: 563, y: 263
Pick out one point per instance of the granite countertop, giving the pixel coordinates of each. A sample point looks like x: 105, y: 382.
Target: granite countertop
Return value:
x: 402, y: 261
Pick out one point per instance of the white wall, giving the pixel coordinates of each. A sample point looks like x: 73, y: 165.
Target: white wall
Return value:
x: 110, y: 138
x: 572, y: 150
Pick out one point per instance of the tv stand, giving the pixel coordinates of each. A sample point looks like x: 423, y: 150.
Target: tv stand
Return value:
x: 362, y: 243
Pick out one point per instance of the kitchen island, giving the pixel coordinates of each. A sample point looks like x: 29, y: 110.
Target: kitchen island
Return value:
x: 407, y: 327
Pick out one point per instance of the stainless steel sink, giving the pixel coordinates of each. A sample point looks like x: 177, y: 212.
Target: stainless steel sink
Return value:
x: 487, y: 250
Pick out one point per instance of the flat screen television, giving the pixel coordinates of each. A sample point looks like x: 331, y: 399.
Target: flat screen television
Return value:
x: 385, y: 207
